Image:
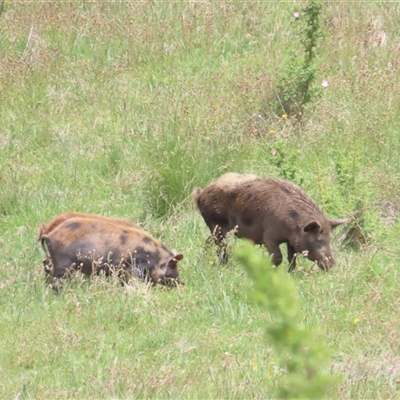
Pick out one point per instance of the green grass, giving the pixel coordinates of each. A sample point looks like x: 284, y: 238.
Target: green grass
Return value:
x: 121, y: 109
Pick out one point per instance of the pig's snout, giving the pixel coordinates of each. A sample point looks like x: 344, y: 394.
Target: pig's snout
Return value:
x: 326, y: 262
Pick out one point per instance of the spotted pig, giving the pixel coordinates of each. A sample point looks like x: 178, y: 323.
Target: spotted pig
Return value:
x: 270, y: 212
x: 93, y: 244
x: 45, y: 229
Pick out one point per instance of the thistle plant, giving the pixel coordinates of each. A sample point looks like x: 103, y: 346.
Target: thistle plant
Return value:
x: 296, y: 83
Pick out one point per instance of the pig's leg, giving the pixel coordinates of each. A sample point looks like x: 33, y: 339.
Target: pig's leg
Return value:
x: 291, y: 252
x: 274, y: 251
x: 61, y: 270
x: 223, y: 246
x: 218, y: 240
x: 219, y: 232
x: 48, y: 269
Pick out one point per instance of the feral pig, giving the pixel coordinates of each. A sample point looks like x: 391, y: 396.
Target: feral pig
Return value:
x: 270, y: 212
x: 92, y: 245
x: 45, y: 229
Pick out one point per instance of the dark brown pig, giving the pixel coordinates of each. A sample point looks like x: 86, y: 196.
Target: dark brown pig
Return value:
x: 269, y: 212
x: 92, y: 245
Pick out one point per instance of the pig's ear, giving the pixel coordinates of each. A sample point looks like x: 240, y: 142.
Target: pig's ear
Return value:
x: 312, y: 226
x: 336, y: 222
x: 175, y: 259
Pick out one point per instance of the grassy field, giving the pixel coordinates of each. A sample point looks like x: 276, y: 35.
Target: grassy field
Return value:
x: 120, y: 109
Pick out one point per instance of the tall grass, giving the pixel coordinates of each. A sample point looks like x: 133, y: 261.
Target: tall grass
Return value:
x: 121, y: 109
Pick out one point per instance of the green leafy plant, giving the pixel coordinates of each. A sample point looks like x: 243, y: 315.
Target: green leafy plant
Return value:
x: 296, y: 83
x: 351, y: 179
x: 301, y: 349
x: 283, y: 158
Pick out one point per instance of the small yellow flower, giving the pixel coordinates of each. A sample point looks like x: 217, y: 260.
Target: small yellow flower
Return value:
x: 271, y: 131
x: 211, y: 262
x: 356, y: 320
x: 131, y: 21
x: 255, y: 364
x: 270, y: 373
x: 272, y: 363
x: 284, y: 116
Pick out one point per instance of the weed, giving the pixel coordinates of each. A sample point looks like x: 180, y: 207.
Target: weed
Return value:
x: 296, y: 87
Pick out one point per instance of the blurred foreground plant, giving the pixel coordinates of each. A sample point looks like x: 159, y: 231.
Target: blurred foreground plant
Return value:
x: 300, y: 348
